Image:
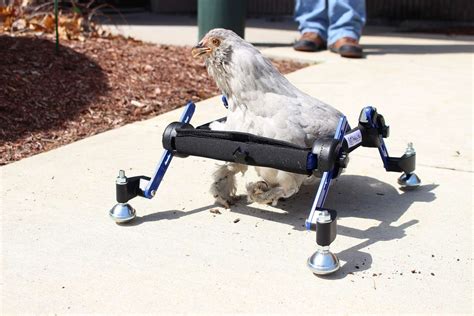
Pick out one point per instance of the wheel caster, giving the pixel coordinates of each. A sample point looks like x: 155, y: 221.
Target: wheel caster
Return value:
x: 122, y: 213
x: 409, y: 181
x: 323, y: 262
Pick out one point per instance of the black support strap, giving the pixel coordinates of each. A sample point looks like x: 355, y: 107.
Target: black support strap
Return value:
x: 240, y: 148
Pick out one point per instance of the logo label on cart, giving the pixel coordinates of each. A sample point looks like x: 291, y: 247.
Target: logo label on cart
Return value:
x: 353, y: 138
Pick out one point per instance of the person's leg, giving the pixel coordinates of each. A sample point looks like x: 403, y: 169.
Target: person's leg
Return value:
x: 312, y: 16
x: 346, y: 19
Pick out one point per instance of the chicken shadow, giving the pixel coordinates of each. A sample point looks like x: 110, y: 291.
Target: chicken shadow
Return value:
x: 36, y: 85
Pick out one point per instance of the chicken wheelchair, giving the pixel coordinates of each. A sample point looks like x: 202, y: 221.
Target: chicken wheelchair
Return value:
x: 325, y: 159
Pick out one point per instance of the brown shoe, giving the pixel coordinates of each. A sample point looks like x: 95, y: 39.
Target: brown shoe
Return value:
x: 347, y: 47
x: 309, y: 42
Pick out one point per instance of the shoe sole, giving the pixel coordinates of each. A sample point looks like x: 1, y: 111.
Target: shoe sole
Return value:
x: 347, y: 54
x: 308, y: 48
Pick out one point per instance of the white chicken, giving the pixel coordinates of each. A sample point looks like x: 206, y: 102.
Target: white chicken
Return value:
x: 264, y: 103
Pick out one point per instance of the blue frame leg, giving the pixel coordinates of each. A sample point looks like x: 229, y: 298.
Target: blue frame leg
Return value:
x: 150, y: 190
x: 325, y: 181
x: 323, y: 261
x: 128, y: 188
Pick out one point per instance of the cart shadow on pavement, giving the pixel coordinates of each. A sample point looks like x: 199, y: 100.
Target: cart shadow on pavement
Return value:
x: 165, y: 215
x: 352, y: 196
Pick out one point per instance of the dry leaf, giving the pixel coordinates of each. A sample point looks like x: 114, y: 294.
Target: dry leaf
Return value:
x: 7, y: 24
x: 48, y: 23
x: 62, y: 31
x: 6, y: 11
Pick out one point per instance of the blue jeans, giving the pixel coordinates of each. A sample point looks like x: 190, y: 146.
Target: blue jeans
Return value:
x: 331, y: 19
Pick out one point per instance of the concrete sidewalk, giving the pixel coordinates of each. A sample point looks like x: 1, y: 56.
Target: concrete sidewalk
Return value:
x: 401, y: 252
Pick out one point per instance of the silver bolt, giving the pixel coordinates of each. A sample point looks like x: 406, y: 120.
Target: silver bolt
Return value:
x: 153, y: 192
x: 410, y: 150
x: 324, y: 217
x: 121, y: 179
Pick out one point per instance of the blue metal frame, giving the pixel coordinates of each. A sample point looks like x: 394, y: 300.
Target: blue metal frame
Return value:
x: 369, y: 113
x: 224, y: 100
x: 165, y: 160
x: 320, y: 198
x: 326, y: 178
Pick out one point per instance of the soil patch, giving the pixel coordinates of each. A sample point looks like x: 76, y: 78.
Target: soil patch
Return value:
x: 48, y: 99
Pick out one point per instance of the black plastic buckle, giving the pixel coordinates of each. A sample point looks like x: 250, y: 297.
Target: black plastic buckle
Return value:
x: 130, y: 189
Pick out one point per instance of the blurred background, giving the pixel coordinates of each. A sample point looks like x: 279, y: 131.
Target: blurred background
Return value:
x: 410, y: 14
x: 404, y: 13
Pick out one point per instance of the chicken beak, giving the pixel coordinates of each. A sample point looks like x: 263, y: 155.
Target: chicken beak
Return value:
x: 200, y: 49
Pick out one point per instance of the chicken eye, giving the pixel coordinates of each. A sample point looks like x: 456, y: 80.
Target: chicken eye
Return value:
x: 216, y: 42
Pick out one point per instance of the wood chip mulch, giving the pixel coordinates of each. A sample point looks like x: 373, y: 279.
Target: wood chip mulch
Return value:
x: 48, y: 100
